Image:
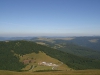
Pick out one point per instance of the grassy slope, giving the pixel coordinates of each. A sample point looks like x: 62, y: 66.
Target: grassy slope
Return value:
x: 42, y: 57
x: 78, y: 72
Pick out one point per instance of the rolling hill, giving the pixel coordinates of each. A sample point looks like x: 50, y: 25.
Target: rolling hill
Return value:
x: 14, y: 55
x: 65, y: 45
x: 90, y: 42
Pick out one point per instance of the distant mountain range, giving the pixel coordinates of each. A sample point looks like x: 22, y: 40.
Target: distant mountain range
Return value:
x: 14, y: 38
x: 81, y: 46
x: 70, y: 45
x: 92, y: 42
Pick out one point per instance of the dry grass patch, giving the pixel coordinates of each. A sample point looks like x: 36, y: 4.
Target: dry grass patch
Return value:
x: 93, y: 40
x: 36, y: 58
x: 78, y: 72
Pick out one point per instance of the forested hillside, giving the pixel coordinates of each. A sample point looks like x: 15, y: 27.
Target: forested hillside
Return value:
x: 77, y: 49
x: 69, y: 47
x: 8, y: 60
x: 90, y: 42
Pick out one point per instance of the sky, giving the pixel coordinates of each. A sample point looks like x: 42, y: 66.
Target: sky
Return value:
x: 49, y: 17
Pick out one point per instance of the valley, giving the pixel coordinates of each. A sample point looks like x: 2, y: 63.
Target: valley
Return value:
x: 49, y: 37
x: 79, y: 46
x: 52, y: 56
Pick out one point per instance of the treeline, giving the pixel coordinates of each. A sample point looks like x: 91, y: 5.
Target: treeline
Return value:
x: 11, y: 62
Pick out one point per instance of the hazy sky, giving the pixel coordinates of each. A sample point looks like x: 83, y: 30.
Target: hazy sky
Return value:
x: 49, y: 17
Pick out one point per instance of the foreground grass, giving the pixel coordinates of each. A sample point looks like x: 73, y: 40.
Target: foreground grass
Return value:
x: 78, y: 72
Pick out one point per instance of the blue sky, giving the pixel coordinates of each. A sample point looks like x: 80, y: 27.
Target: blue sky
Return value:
x: 49, y: 17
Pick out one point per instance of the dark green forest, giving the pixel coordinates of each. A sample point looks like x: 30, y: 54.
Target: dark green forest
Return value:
x: 8, y: 61
x: 78, y: 50
x: 84, y: 41
x: 72, y: 48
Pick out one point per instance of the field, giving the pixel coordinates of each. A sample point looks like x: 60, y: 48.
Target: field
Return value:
x: 37, y: 58
x: 78, y: 72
